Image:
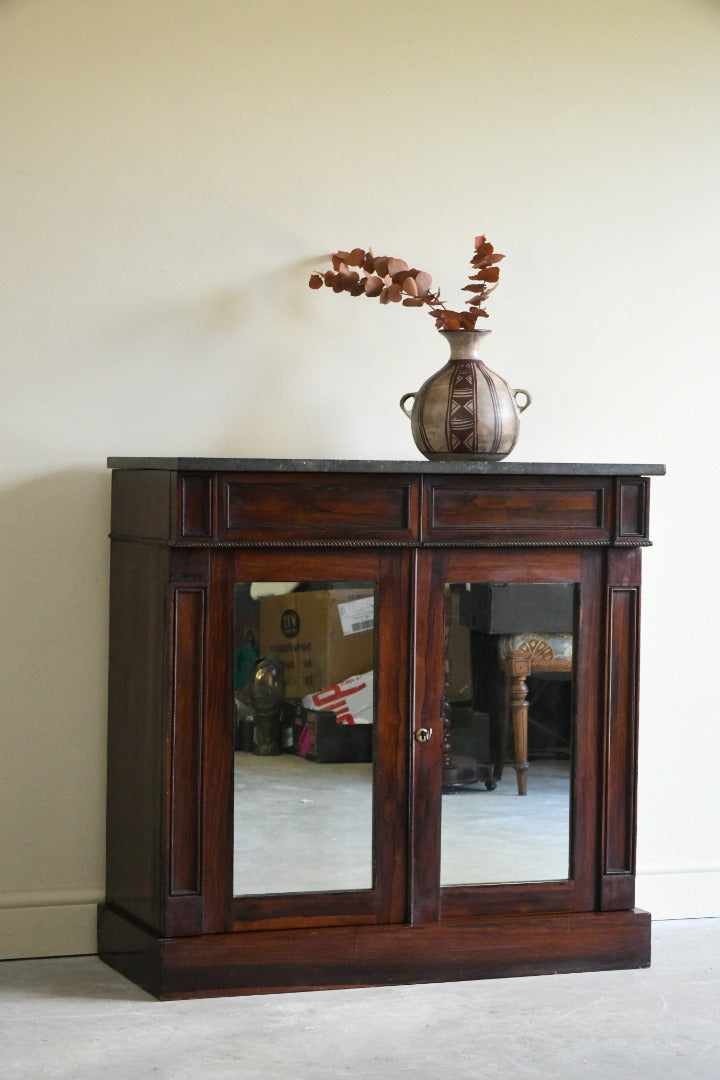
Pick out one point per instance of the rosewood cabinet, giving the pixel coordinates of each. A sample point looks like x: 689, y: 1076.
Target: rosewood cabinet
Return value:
x: 230, y: 871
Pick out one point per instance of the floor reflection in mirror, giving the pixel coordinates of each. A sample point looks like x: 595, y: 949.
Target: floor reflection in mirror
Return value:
x: 301, y: 826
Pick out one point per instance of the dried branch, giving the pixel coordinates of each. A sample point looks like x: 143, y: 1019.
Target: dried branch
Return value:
x: 393, y: 281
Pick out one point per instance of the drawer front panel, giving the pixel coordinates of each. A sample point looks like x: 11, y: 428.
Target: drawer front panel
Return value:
x: 491, y: 510
x: 264, y: 508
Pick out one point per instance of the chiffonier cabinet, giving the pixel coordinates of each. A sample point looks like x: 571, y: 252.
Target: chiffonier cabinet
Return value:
x: 477, y: 821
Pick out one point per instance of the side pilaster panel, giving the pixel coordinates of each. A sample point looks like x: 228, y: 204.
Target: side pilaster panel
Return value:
x: 617, y: 890
x: 188, y: 604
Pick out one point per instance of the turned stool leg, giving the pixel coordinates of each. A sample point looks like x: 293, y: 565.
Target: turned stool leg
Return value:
x: 519, y: 670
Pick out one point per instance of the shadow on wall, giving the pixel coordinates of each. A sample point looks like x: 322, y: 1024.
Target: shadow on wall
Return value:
x: 54, y: 559
x: 262, y: 367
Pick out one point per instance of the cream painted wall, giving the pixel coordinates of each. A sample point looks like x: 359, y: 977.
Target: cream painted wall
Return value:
x: 170, y: 173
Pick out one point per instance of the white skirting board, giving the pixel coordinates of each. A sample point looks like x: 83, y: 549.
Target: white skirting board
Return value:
x: 63, y: 925
x: 693, y: 894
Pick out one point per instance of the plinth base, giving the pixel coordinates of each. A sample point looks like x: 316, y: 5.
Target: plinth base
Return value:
x: 278, y: 961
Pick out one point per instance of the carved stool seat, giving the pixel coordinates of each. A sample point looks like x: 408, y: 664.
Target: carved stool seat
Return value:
x: 520, y: 656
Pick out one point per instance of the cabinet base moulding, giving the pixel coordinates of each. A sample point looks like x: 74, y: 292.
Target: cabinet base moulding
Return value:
x: 346, y: 957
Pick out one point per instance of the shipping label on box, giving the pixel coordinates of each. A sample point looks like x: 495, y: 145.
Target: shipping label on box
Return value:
x: 322, y: 636
x: 356, y: 616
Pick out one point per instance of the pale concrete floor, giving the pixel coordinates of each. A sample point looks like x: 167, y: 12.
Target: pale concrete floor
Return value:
x: 75, y: 1019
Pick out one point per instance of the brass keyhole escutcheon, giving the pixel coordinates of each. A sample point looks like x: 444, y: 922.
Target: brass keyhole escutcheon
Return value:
x: 423, y: 734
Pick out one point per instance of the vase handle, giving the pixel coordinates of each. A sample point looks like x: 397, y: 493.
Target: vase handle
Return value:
x: 403, y: 399
x: 528, y: 399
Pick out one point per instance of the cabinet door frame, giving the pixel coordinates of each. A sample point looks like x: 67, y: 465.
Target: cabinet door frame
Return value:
x: 434, y: 568
x: 386, y: 901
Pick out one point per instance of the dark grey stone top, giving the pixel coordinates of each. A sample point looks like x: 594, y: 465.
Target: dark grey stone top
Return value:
x: 457, y: 468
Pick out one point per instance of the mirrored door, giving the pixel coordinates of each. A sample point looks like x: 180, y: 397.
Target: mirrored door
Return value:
x: 512, y: 825
x: 317, y: 699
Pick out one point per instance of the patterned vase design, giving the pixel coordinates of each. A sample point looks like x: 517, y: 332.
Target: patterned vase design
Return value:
x: 465, y: 410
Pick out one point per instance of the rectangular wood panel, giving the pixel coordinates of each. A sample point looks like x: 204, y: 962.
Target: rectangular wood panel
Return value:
x: 495, y: 510
x: 620, y: 746
x: 196, y: 507
x: 260, y: 508
x: 632, y: 510
x: 187, y: 728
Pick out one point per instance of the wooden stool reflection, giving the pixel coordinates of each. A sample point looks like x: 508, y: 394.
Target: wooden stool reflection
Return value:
x: 523, y: 655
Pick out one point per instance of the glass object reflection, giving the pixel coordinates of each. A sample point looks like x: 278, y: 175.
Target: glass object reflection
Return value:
x: 507, y: 750
x: 304, y: 714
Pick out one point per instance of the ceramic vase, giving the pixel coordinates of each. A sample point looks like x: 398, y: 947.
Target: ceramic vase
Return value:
x: 465, y: 410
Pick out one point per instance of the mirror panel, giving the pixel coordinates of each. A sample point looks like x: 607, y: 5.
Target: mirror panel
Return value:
x: 508, y: 733
x: 304, y: 718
